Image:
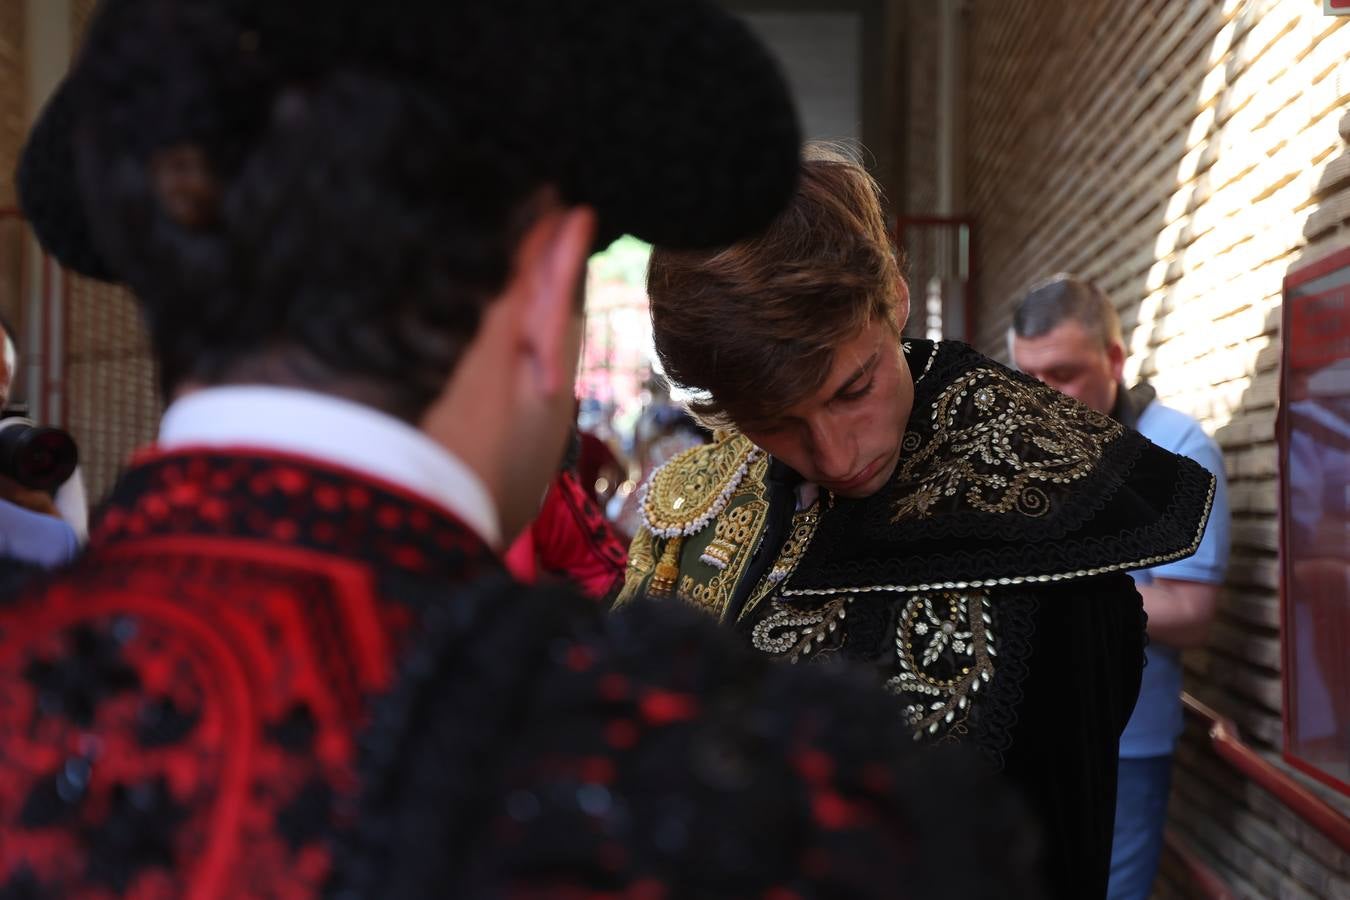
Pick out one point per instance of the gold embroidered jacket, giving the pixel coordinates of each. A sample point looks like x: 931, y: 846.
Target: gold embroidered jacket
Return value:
x: 985, y: 583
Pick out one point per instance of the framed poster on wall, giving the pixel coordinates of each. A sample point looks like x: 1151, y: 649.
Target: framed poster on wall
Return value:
x: 1314, y: 438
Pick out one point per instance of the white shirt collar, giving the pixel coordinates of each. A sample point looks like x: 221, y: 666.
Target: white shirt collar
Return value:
x: 332, y: 430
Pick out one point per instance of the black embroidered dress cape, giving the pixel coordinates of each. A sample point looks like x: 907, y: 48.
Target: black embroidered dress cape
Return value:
x: 985, y: 583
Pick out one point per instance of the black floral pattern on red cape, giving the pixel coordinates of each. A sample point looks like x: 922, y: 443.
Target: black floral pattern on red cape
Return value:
x: 179, y: 709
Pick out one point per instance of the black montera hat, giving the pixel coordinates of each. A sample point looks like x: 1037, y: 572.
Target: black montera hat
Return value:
x: 667, y: 116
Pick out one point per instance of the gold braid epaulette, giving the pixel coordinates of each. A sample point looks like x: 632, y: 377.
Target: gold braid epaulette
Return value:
x: 686, y: 494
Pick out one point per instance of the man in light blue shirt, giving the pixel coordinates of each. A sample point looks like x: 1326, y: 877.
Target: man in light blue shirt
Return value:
x: 35, y: 538
x: 1066, y: 333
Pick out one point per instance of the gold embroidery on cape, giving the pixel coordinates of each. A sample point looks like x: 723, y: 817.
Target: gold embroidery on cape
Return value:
x: 796, y: 633
x: 683, y: 495
x: 804, y: 523
x: 735, y: 529
x: 641, y: 562
x: 662, y: 582
x: 944, y: 644
x: 641, y: 554
x: 741, y: 526
x: 993, y: 442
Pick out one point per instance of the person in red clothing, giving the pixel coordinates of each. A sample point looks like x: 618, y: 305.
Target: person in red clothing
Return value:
x: 598, y: 467
x: 357, y: 234
x: 570, y: 539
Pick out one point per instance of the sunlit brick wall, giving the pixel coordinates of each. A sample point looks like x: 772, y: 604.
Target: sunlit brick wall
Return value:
x: 1184, y: 155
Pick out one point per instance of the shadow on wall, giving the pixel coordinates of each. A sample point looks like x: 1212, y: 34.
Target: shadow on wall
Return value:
x: 1229, y: 232
x: 1279, y: 218
x: 1198, y: 161
x: 1204, y: 354
x: 1223, y: 673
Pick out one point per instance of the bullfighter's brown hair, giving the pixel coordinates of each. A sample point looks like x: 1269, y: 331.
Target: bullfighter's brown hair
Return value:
x: 751, y: 329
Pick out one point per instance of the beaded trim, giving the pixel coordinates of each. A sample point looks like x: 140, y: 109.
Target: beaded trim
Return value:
x: 804, y: 524
x: 932, y: 358
x: 713, y: 511
x: 798, y: 633
x: 1148, y: 562
x: 940, y: 693
x: 717, y: 562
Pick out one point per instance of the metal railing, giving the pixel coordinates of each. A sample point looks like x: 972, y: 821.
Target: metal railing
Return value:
x: 1228, y: 744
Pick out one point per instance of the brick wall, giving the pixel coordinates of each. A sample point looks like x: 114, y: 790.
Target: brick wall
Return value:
x: 1184, y: 155
x: 921, y: 47
x: 112, y: 399
x: 113, y: 403
x: 12, y: 100
x: 12, y: 86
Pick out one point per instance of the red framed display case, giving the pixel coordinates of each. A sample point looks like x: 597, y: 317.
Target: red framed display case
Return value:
x: 1314, y: 439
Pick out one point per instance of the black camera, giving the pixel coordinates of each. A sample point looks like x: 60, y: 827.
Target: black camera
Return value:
x: 35, y: 456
